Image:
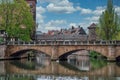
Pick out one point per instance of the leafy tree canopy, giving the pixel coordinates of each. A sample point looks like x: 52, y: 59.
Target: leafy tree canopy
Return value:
x: 109, y: 23
x: 16, y: 19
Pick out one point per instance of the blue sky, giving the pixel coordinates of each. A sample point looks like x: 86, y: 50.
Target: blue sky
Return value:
x: 57, y: 14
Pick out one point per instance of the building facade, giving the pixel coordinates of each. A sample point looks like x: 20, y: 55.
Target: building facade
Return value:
x: 70, y: 34
x: 32, y: 4
x: 92, y: 36
x: 65, y: 34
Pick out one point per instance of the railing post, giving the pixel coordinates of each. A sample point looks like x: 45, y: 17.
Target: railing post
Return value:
x: 34, y: 42
x: 115, y: 42
x: 13, y: 43
x: 75, y: 42
x: 24, y: 43
x: 94, y: 43
x: 63, y: 42
x: 87, y: 42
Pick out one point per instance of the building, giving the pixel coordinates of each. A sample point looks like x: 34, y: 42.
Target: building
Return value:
x: 65, y: 34
x: 32, y: 4
x: 70, y: 34
x: 92, y: 36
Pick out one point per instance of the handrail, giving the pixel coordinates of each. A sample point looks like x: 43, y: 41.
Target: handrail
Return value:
x: 64, y: 42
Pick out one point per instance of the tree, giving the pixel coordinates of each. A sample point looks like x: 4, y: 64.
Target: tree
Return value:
x: 16, y: 19
x: 109, y: 23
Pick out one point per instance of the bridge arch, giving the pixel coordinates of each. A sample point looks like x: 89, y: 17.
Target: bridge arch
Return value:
x: 56, y: 51
x: 66, y: 54
x: 16, y: 50
x: 24, y: 51
x: 65, y: 51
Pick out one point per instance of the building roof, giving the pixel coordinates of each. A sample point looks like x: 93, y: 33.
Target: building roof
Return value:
x: 93, y: 25
x: 32, y: 0
x: 82, y: 31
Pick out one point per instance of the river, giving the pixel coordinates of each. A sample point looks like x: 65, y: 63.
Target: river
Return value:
x: 80, y: 67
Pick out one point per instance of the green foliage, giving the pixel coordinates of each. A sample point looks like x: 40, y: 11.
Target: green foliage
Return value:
x: 109, y: 23
x: 97, y: 60
x: 26, y: 65
x: 96, y: 55
x: 16, y: 19
x: 1, y: 40
x: 96, y: 64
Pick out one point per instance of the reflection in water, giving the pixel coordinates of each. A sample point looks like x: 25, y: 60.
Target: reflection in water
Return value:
x: 32, y: 63
x: 83, y: 62
x: 41, y: 77
x: 42, y: 59
x: 80, y: 62
x: 77, y: 67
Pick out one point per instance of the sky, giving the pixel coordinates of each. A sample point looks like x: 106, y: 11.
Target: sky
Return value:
x: 62, y: 14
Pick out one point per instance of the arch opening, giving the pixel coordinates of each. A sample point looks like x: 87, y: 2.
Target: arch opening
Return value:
x: 118, y: 59
x: 83, y: 60
x: 30, y: 59
x: 82, y: 52
x: 28, y: 53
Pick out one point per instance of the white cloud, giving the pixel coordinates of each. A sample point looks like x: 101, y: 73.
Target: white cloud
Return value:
x: 117, y: 9
x: 52, y: 25
x: 40, y: 10
x: 84, y: 11
x: 73, y: 24
x: 55, y: 24
x: 65, y: 6
x: 39, y: 17
x: 93, y: 18
x: 95, y: 14
x: 99, y: 10
x: 62, y: 6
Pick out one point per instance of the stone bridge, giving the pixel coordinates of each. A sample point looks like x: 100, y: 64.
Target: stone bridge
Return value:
x: 61, y: 49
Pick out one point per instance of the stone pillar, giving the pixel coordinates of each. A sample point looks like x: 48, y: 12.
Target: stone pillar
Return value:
x: 2, y: 51
x: 55, y: 53
x: 111, y: 53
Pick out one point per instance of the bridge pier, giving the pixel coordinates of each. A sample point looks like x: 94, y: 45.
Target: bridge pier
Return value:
x: 55, y: 51
x: 111, y: 53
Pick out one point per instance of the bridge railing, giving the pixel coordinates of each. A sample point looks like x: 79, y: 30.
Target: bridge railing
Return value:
x: 64, y: 42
